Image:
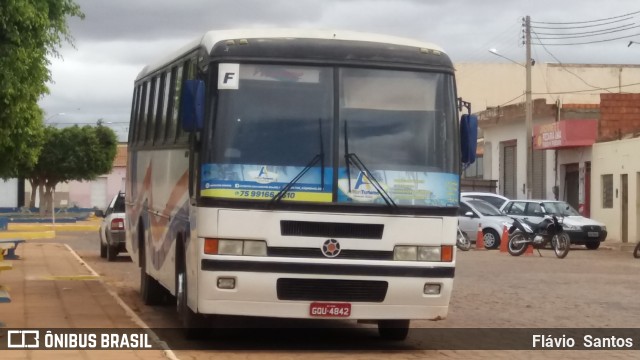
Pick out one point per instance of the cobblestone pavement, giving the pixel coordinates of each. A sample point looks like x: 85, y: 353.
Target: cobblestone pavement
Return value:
x: 590, y: 289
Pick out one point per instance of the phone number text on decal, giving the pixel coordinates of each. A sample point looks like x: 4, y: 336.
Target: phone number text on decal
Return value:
x: 263, y: 194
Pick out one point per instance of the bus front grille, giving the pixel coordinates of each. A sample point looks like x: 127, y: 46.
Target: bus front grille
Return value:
x: 331, y: 290
x: 300, y: 252
x: 331, y: 230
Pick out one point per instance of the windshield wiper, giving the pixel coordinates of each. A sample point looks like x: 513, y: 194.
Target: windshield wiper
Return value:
x: 318, y: 158
x: 352, y: 158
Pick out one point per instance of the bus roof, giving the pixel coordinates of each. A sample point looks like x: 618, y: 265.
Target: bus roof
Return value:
x: 211, y: 38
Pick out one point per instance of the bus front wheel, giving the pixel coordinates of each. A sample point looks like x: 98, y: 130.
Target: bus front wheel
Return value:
x: 194, y: 324
x: 150, y: 288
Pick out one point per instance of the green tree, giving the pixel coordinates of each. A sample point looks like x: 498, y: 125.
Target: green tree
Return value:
x: 30, y: 30
x: 73, y: 153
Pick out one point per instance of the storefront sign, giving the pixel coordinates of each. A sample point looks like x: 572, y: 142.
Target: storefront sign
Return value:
x: 565, y: 134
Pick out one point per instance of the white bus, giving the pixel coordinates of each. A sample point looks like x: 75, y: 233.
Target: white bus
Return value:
x: 296, y: 174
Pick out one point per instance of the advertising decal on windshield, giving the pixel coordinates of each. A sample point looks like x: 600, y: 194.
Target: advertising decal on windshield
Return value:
x: 404, y: 187
x: 262, y: 182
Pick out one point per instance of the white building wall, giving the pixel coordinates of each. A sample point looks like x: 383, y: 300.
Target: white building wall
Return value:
x: 488, y: 85
x: 502, y: 133
x: 9, y: 193
x: 617, y: 158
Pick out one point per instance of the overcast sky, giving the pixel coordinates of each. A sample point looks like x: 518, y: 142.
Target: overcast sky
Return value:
x: 118, y: 37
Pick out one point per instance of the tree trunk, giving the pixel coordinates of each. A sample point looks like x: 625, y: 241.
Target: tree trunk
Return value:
x: 34, y: 188
x: 43, y: 200
x: 49, y: 188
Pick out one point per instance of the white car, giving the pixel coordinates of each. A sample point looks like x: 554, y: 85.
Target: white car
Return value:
x: 493, y: 199
x: 112, y: 233
x: 473, y: 212
x: 581, y: 230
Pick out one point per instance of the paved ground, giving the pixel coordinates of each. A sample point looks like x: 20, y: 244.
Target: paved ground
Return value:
x: 594, y: 289
x: 51, y: 288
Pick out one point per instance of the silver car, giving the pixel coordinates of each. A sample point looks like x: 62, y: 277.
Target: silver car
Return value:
x: 581, y: 230
x: 112, y: 233
x: 474, y: 212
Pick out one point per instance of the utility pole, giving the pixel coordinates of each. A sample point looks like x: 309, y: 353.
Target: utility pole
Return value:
x: 528, y: 110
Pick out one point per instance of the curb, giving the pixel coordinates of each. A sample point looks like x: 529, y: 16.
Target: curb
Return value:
x: 168, y: 353
x: 52, y: 227
x: 27, y: 235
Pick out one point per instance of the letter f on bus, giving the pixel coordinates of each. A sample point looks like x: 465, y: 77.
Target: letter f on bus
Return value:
x: 228, y: 76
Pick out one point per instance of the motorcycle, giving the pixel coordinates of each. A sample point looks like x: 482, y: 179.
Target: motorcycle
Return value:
x: 549, y: 231
x: 463, y: 242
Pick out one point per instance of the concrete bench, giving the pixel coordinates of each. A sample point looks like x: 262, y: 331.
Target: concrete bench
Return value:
x: 11, y: 250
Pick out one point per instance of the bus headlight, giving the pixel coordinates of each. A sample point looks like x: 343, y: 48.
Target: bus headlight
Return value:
x: 235, y: 247
x: 230, y: 247
x: 428, y: 253
x: 405, y: 253
x: 442, y: 253
x: 255, y: 248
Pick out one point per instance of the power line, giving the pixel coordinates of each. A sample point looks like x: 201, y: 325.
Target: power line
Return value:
x: 588, y: 42
x: 565, y: 68
x: 585, y: 22
x: 571, y: 36
x: 592, y: 33
x: 577, y: 27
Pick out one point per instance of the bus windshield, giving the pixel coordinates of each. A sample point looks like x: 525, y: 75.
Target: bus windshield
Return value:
x: 276, y: 119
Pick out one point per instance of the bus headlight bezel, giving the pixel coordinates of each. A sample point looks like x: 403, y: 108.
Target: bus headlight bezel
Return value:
x: 443, y: 253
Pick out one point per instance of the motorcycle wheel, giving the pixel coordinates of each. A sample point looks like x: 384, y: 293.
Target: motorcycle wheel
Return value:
x: 518, y: 243
x: 561, y: 244
x: 636, y: 251
x: 463, y: 241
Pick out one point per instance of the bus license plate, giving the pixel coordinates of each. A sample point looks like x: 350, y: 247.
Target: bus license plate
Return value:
x: 593, y: 234
x: 320, y: 309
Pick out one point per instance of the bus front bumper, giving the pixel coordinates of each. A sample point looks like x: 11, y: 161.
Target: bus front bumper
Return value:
x: 288, y: 289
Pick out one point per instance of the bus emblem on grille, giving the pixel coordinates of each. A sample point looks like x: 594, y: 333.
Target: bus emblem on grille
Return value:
x: 331, y: 248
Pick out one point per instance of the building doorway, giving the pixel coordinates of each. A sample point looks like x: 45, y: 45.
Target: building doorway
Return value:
x: 509, y: 169
x: 572, y: 185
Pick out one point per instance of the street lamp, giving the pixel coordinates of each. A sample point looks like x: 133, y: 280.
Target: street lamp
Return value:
x: 495, y: 52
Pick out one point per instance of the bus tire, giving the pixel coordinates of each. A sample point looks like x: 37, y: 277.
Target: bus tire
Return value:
x: 194, y: 325
x: 395, y: 330
x: 150, y: 289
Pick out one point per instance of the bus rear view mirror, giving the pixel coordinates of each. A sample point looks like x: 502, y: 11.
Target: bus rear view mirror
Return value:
x: 468, y: 138
x: 192, y: 105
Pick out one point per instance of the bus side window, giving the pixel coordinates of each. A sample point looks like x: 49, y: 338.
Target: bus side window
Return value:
x: 189, y: 74
x: 142, y: 116
x: 157, y: 117
x: 163, y: 116
x: 135, y: 108
x: 176, y: 86
x: 153, y: 107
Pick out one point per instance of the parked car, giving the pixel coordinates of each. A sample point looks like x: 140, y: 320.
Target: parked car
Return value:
x: 493, y: 199
x: 581, y: 230
x: 112, y: 234
x: 475, y: 211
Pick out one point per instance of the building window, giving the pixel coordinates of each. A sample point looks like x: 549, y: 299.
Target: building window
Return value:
x: 474, y: 171
x: 607, y: 191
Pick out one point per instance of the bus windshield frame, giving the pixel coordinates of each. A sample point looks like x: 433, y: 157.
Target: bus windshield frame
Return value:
x: 271, y: 123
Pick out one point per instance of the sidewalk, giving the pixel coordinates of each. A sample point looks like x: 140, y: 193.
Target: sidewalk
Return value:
x: 50, y: 287
x: 618, y: 246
